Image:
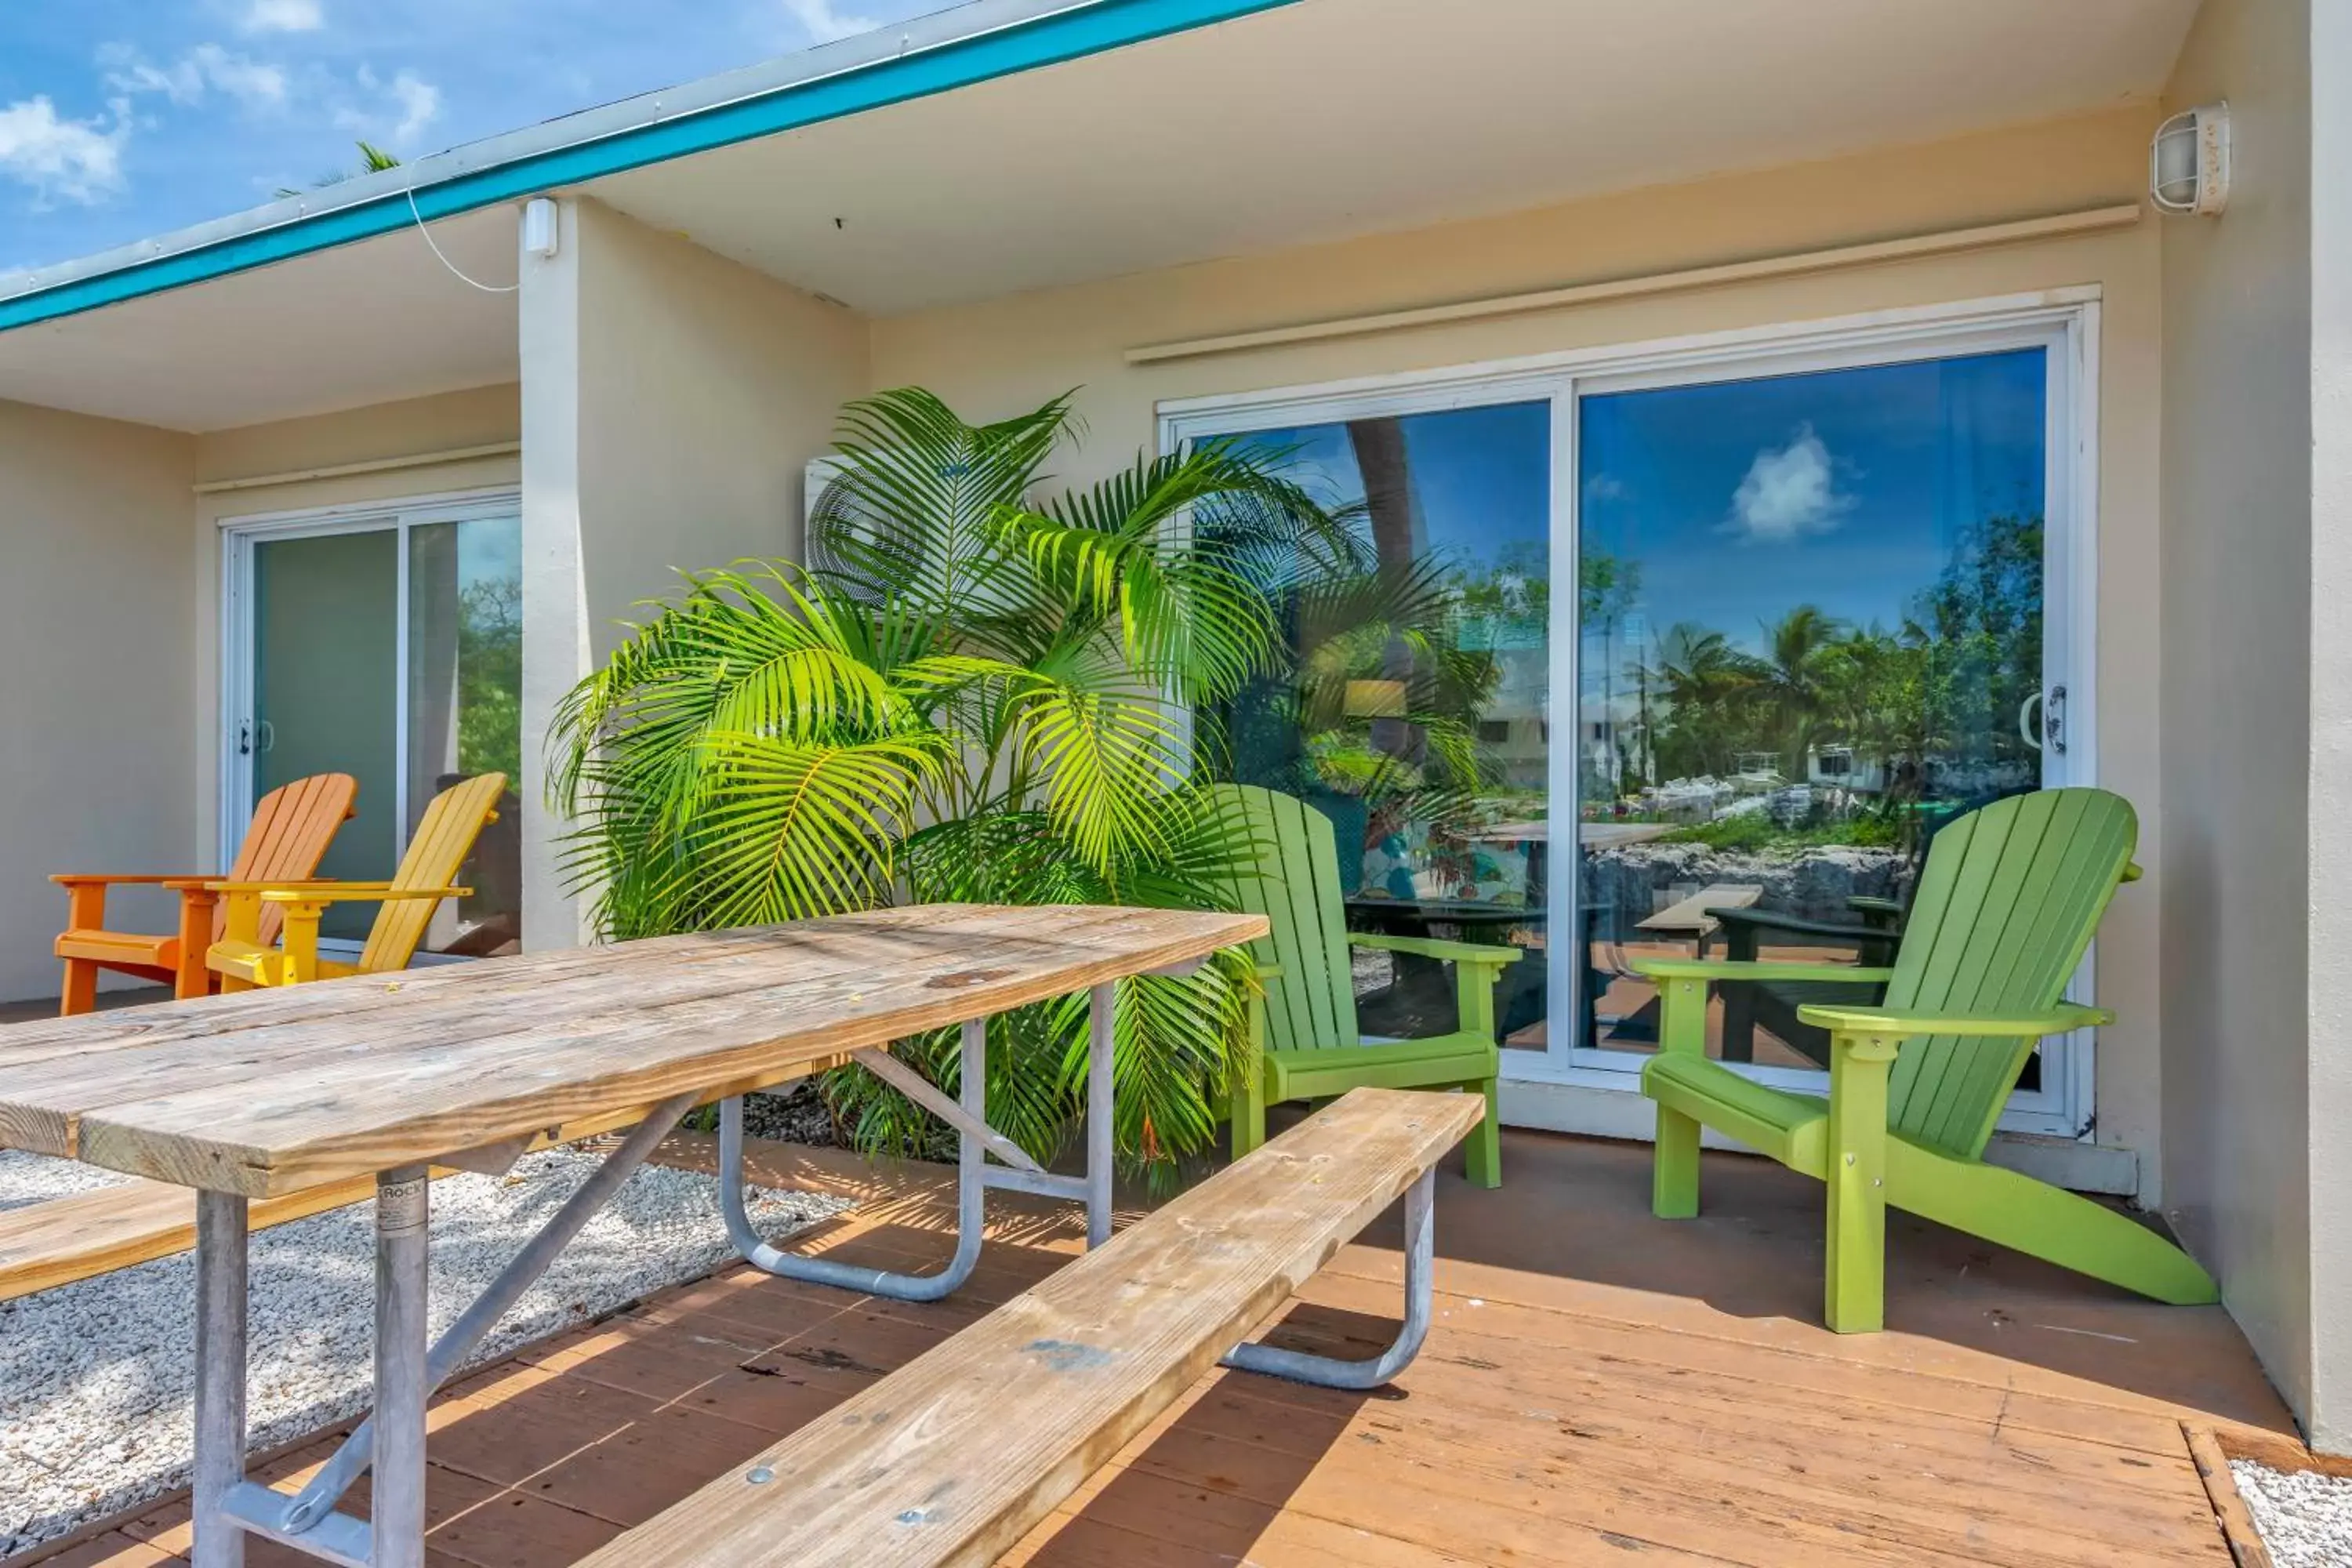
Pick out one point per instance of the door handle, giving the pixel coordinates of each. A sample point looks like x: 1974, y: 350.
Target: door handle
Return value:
x: 266, y: 736
x: 2053, y: 720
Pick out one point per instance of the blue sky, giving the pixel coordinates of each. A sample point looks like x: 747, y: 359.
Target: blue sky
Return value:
x: 121, y: 118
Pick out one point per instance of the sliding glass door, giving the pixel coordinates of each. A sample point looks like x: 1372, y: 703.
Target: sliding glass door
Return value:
x: 387, y: 645
x: 1674, y: 651
x: 1814, y: 633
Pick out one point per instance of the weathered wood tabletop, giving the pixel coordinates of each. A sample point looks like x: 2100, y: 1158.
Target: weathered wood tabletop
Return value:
x: 269, y: 1092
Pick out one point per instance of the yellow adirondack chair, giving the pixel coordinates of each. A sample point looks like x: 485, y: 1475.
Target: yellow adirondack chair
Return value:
x: 244, y: 959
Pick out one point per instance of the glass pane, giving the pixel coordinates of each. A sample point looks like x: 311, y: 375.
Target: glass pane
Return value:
x: 1412, y: 709
x: 325, y: 684
x: 1811, y: 635
x: 464, y: 709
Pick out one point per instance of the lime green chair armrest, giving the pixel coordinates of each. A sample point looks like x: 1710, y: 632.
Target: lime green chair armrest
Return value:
x: 1732, y: 969
x: 1432, y: 947
x: 1885, y: 1021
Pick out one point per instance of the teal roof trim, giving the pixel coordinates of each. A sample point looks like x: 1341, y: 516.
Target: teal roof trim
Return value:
x: 1046, y: 40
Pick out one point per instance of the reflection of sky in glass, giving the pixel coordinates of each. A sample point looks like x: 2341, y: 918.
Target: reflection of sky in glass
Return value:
x: 489, y: 550
x: 1481, y: 479
x: 1846, y: 489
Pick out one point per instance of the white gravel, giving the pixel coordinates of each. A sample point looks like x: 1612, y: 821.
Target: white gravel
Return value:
x: 2305, y: 1518
x: 28, y: 1179
x: 95, y: 1378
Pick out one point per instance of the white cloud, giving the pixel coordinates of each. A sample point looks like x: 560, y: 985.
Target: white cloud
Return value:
x: 420, y: 105
x: 1604, y: 487
x: 397, y: 111
x: 1789, y: 492
x: 71, y: 160
x: 283, y: 17
x: 825, y: 23
x: 207, y: 68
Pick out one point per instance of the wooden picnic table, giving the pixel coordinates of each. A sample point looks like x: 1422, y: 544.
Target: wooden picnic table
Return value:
x: 1694, y: 917
x: 261, y: 1094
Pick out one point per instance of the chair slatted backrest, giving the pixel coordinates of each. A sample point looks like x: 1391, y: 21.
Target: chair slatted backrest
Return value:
x: 444, y: 838
x: 2007, y: 902
x: 292, y: 826
x: 1312, y: 1004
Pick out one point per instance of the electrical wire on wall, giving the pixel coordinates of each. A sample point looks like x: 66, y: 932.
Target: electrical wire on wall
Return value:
x: 443, y: 260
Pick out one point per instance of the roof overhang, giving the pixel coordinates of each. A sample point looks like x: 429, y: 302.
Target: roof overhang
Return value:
x: 1010, y: 145
x: 953, y: 48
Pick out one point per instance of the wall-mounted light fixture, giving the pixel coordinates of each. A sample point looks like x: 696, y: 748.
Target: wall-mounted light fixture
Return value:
x: 539, y: 229
x: 2189, y: 161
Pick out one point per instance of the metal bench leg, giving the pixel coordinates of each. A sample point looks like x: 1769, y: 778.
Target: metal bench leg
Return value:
x: 971, y: 1189
x: 1328, y: 1372
x: 221, y: 1247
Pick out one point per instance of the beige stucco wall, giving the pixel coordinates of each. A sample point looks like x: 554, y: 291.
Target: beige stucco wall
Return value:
x: 673, y: 399
x: 2329, y: 1410
x: 283, y: 451
x: 990, y: 358
x: 2237, y: 704
x: 98, y: 606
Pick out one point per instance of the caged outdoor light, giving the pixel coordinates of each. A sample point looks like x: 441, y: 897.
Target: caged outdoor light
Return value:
x: 2189, y: 161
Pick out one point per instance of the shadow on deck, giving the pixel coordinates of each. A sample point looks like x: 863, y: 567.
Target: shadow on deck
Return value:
x: 1597, y: 1384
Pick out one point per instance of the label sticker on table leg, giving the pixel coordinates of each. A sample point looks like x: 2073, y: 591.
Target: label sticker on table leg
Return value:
x: 402, y: 1206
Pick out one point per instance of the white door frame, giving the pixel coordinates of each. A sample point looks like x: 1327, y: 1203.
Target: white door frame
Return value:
x: 2062, y: 321
x: 239, y: 535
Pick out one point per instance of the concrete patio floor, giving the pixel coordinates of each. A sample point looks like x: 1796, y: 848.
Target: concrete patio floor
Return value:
x: 1598, y: 1385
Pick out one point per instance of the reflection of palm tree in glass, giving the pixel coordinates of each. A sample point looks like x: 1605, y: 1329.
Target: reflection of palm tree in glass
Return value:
x: 1380, y: 699
x: 1704, y: 681
x: 1799, y: 650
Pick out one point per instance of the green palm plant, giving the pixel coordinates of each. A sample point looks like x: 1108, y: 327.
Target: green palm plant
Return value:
x: 970, y: 694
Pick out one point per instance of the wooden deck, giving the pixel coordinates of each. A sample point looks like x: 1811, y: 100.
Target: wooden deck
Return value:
x: 1600, y: 1387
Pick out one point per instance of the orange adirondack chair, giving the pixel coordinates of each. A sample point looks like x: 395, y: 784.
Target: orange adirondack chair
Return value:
x: 243, y: 956
x: 291, y: 828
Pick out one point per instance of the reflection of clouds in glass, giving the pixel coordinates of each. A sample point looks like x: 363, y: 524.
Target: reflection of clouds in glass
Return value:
x: 1788, y: 493
x: 1604, y: 487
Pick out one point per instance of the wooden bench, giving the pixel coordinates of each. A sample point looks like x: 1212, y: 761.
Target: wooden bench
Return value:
x: 957, y: 1456
x: 61, y: 1241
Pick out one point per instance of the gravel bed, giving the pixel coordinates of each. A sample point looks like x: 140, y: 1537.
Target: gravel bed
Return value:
x: 2305, y: 1518
x: 28, y: 1179
x: 798, y: 1115
x: 96, y: 1403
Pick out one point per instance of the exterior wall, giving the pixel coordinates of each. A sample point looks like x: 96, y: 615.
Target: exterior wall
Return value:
x: 96, y: 613
x: 990, y: 358
x: 673, y: 400
x: 2243, y: 1000
x: 2328, y: 1414
x: 282, y: 451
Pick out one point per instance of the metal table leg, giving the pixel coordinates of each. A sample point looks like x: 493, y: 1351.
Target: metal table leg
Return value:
x: 975, y: 1140
x: 221, y: 1248
x: 1328, y: 1372
x: 392, y: 1440
x: 404, y: 1203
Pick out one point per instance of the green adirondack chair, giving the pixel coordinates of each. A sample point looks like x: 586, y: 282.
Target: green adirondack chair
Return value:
x: 2008, y: 901
x: 1307, y: 1044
